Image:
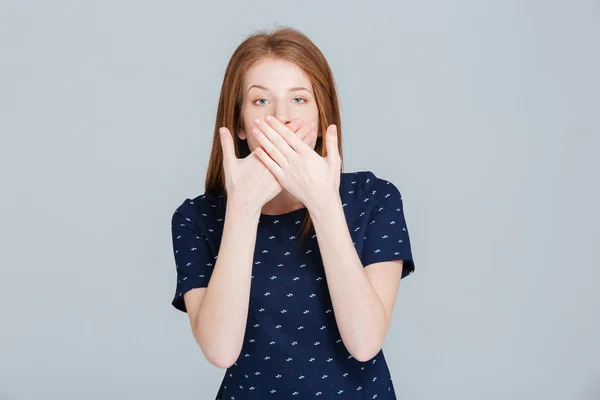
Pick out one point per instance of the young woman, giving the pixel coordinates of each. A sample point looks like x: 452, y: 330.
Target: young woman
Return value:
x: 287, y: 267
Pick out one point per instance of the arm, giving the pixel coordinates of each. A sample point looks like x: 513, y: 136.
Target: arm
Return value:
x: 362, y: 298
x: 219, y: 312
x: 218, y: 315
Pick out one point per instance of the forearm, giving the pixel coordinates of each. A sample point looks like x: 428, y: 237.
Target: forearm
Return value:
x: 359, y: 313
x: 221, y: 320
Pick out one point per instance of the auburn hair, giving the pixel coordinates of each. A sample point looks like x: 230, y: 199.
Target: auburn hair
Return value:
x: 281, y: 43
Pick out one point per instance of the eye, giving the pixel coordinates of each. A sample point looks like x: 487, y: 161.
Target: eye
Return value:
x: 302, y: 100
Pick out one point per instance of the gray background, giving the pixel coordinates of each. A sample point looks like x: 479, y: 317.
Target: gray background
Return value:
x: 484, y: 114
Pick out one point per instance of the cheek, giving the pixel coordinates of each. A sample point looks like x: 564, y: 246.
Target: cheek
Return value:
x: 313, y: 115
x: 253, y: 142
x: 310, y: 114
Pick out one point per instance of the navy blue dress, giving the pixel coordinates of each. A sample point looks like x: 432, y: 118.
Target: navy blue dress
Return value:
x: 292, y: 347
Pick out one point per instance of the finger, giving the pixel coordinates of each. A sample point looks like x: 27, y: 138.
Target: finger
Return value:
x: 331, y: 142
x: 305, y: 130
x: 295, y: 124
x: 269, y: 163
x: 226, y: 146
x: 270, y: 147
x: 310, y: 139
x: 284, y: 139
x: 309, y: 133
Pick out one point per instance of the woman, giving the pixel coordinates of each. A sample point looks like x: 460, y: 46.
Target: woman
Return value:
x: 287, y: 267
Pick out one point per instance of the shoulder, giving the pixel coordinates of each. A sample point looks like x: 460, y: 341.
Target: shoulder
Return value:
x: 200, y: 210
x: 371, y: 187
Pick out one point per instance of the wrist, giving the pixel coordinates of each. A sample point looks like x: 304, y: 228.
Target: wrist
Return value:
x: 242, y: 206
x: 325, y: 206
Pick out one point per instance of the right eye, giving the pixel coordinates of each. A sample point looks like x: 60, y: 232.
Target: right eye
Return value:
x: 259, y: 100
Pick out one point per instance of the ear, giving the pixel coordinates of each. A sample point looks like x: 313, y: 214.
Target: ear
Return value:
x: 241, y: 134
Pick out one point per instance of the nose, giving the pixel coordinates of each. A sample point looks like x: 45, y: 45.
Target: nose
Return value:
x: 282, y: 113
x: 286, y: 121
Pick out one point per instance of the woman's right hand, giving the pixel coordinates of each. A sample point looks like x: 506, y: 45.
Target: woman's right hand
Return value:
x: 248, y: 181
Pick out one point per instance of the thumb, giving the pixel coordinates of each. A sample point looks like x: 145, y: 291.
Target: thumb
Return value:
x: 332, y: 145
x: 226, y: 146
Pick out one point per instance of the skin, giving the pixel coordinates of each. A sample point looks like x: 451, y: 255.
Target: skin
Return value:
x: 268, y: 91
x: 282, y: 173
x: 362, y: 296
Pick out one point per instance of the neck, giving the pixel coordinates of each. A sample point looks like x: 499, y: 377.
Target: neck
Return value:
x: 282, y: 203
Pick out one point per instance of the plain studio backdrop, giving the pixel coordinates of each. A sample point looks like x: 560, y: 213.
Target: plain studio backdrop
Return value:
x: 485, y: 115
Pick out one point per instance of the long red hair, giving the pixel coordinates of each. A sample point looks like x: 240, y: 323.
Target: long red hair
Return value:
x: 282, y: 43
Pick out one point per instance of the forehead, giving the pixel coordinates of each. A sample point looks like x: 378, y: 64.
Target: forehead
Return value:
x: 271, y: 72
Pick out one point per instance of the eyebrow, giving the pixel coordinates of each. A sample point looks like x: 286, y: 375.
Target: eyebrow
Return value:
x: 291, y: 89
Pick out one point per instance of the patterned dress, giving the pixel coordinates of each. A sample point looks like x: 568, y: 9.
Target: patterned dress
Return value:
x: 292, y: 347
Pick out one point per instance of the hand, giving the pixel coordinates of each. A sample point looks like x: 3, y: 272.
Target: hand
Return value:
x: 298, y: 168
x: 248, y: 181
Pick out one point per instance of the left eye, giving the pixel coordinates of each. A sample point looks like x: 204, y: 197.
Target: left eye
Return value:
x: 302, y: 100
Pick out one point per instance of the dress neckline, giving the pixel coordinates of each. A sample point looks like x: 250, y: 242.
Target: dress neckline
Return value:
x: 298, y: 211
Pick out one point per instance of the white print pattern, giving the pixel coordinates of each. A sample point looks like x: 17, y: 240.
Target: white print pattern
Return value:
x: 292, y: 347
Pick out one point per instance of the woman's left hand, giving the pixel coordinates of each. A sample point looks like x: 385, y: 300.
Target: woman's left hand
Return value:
x: 310, y: 178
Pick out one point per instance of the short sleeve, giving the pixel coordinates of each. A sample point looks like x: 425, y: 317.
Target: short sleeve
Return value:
x: 193, y: 258
x: 387, y: 235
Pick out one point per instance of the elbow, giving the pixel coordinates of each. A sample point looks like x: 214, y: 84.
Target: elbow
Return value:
x: 365, y: 351
x: 220, y: 358
x: 365, y: 354
x: 223, y: 361
x: 218, y: 354
x: 365, y: 345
